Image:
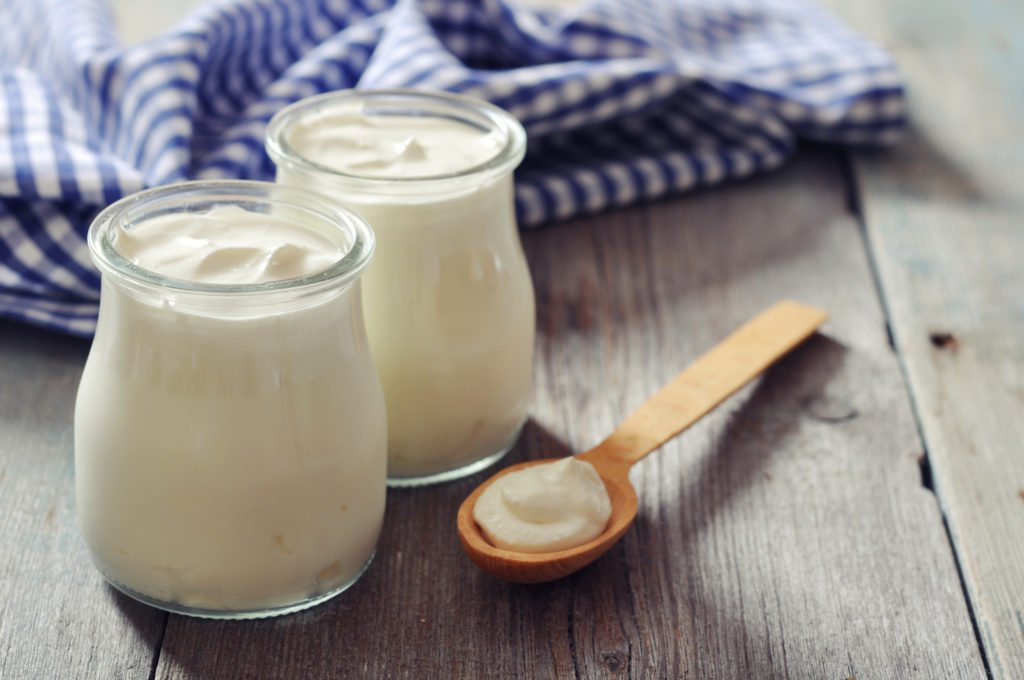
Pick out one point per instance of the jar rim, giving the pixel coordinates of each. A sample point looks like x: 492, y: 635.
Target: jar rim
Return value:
x: 201, y: 195
x: 453, y: 106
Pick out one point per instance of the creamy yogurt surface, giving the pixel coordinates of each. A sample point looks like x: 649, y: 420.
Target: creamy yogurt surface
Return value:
x: 391, y: 146
x: 227, y: 245
x: 544, y: 508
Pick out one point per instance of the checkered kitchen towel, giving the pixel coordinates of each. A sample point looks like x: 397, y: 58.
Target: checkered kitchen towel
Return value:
x: 623, y: 100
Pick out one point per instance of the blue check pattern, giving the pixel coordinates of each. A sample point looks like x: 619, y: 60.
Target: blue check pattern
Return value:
x: 623, y: 101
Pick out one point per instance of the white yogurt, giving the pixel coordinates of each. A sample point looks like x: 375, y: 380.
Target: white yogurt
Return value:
x: 230, y: 450
x: 448, y: 299
x: 392, y: 146
x: 544, y: 508
x: 227, y: 245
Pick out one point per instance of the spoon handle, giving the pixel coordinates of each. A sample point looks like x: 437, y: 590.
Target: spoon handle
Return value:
x: 727, y: 367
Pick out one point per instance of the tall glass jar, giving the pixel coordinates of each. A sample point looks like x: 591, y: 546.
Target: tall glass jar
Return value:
x: 230, y: 440
x: 449, y: 301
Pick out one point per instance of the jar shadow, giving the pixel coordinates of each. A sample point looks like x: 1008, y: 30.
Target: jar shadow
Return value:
x: 148, y: 624
x: 536, y: 441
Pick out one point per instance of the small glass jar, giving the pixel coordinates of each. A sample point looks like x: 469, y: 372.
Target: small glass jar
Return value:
x: 230, y: 440
x: 449, y: 301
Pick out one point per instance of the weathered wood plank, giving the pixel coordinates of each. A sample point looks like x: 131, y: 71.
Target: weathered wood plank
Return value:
x: 57, y: 618
x: 787, y: 535
x: 944, y: 215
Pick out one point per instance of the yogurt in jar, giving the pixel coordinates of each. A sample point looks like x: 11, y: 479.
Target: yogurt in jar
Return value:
x: 230, y: 436
x: 392, y: 146
x: 448, y: 300
x: 226, y: 245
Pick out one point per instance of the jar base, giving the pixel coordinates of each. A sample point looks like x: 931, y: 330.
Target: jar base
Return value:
x: 238, y: 614
x: 459, y: 472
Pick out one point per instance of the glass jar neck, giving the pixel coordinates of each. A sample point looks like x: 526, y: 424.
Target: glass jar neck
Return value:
x: 238, y: 303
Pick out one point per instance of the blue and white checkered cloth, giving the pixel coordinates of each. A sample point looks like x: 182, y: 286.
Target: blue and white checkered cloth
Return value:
x: 623, y: 100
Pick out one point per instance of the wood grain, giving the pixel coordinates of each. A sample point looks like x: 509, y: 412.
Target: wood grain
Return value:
x: 786, y: 535
x: 944, y: 214
x: 57, y: 618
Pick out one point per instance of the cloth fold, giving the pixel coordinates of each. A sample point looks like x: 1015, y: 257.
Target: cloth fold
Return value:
x: 623, y: 101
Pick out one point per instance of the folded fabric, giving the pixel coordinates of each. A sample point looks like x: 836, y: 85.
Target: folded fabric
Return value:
x: 623, y: 100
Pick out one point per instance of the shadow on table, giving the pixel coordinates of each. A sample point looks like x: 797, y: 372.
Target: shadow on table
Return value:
x: 536, y: 441
x: 148, y: 624
x: 758, y: 429
x: 795, y: 389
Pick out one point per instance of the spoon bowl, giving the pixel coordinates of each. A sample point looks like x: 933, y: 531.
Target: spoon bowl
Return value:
x: 541, y: 567
x: 719, y: 373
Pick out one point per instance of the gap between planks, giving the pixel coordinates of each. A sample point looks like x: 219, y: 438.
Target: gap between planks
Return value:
x: 856, y: 206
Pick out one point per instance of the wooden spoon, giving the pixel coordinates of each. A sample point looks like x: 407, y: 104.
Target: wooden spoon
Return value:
x: 693, y: 393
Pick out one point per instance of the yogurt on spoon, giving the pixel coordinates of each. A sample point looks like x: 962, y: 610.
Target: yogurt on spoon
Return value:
x: 544, y: 508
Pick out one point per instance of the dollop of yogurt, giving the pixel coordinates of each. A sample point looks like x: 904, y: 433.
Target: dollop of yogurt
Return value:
x: 544, y: 508
x: 391, y: 146
x: 227, y: 245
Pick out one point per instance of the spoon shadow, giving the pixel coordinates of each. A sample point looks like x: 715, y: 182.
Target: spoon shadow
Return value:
x: 719, y: 373
x: 805, y: 372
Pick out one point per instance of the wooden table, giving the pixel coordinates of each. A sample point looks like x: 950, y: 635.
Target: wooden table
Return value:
x: 858, y: 513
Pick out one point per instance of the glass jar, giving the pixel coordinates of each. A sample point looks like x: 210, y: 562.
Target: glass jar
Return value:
x: 230, y: 440
x: 448, y: 299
